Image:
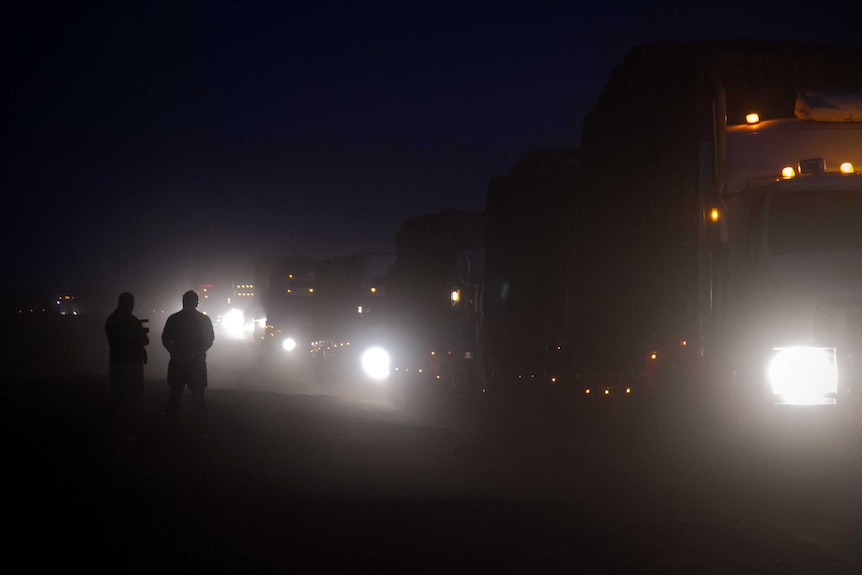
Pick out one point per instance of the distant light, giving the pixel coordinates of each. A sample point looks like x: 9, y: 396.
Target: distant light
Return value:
x: 289, y: 344
x: 752, y: 118
x: 847, y: 168
x: 714, y: 214
x: 788, y: 172
x: 455, y: 296
x: 653, y: 355
x: 373, y: 290
x: 607, y: 391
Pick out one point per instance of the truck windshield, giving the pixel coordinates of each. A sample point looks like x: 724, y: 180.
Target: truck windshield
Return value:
x: 807, y: 221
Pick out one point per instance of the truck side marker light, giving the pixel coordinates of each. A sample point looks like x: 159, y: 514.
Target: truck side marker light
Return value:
x: 714, y: 215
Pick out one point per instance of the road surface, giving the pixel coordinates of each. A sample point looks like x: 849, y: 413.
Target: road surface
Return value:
x: 296, y: 478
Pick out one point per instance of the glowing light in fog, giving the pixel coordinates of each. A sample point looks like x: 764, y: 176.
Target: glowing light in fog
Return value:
x: 375, y: 363
x: 289, y: 344
x: 803, y: 375
x: 233, y: 323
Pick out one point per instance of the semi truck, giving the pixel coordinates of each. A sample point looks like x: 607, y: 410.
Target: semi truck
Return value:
x: 716, y: 256
x: 783, y: 255
x: 742, y: 289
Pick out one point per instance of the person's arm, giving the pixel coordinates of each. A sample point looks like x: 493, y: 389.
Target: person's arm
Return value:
x: 143, y: 338
x: 209, y: 334
x: 167, y: 336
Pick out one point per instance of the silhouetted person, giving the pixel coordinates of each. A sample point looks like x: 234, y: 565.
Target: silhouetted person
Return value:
x: 188, y: 334
x: 127, y: 338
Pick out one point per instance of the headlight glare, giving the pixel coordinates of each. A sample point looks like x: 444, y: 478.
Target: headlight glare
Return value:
x: 375, y: 363
x: 804, y: 375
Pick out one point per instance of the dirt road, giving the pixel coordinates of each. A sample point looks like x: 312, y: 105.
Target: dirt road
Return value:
x: 322, y: 482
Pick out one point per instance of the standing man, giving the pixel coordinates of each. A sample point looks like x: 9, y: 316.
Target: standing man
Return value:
x: 127, y: 338
x: 187, y: 336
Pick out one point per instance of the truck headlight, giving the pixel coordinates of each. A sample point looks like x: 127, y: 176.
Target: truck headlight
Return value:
x: 375, y: 363
x: 288, y: 344
x: 804, y: 375
x: 233, y: 323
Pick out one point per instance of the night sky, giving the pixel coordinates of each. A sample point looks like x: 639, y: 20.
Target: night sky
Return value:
x: 157, y: 145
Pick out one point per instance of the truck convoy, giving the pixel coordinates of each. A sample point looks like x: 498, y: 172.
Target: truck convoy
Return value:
x: 689, y: 249
x: 700, y: 254
x: 400, y: 324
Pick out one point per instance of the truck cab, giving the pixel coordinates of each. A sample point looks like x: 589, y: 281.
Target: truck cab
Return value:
x: 793, y: 277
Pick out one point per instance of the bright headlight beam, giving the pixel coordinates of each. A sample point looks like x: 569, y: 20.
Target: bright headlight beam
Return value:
x: 375, y: 363
x: 234, y: 323
x: 289, y: 344
x: 803, y: 375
